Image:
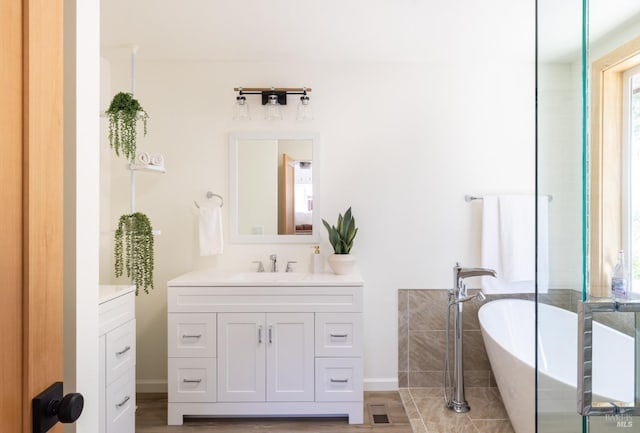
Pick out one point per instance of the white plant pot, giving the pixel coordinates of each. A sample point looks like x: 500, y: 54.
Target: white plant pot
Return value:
x: 342, y: 264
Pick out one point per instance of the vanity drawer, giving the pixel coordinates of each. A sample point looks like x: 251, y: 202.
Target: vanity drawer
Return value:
x: 121, y: 404
x: 192, y: 335
x: 120, y: 351
x: 338, y: 334
x: 115, y: 312
x: 192, y: 380
x: 339, y: 379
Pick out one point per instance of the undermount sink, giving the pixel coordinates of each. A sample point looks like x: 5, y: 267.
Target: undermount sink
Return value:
x: 268, y: 277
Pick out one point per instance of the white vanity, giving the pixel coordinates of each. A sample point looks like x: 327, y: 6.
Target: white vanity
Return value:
x: 282, y: 344
x: 117, y: 343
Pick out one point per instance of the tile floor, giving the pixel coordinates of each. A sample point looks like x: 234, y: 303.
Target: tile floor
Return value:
x: 427, y: 413
x: 151, y: 417
x: 424, y: 412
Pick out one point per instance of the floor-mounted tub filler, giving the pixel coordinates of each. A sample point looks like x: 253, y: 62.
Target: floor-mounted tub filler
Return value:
x: 508, y: 330
x: 458, y: 295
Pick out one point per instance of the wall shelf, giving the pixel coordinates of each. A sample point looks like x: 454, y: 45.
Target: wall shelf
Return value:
x: 146, y: 167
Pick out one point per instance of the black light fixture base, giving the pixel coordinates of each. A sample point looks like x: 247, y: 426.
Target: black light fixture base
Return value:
x: 282, y: 97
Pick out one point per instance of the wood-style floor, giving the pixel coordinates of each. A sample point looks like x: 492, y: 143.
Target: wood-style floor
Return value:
x: 151, y: 417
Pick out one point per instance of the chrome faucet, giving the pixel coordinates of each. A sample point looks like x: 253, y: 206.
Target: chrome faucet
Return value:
x: 459, y: 293
x: 461, y: 273
x: 457, y: 296
x: 274, y: 262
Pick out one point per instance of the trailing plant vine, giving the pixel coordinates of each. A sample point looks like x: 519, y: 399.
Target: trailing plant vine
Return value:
x: 134, y: 250
x: 123, y: 113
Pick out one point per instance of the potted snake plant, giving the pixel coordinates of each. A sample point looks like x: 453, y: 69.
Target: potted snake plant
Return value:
x: 341, y: 237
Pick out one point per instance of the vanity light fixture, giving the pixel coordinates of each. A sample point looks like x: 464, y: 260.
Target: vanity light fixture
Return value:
x: 273, y: 98
x: 241, y: 109
x: 304, y: 111
x: 272, y: 109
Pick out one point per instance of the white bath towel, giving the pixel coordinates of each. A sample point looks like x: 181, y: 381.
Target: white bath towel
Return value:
x: 508, y: 243
x: 210, y: 230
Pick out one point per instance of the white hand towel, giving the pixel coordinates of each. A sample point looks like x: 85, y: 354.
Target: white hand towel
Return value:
x: 143, y: 158
x: 210, y: 230
x: 508, y: 243
x: 157, y: 160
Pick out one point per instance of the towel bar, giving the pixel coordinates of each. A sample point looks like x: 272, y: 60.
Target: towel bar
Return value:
x: 469, y: 198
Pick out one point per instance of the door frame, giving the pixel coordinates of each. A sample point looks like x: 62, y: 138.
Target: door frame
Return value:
x: 81, y: 205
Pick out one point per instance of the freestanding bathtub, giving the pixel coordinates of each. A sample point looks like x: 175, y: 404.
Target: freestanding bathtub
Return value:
x: 508, y: 330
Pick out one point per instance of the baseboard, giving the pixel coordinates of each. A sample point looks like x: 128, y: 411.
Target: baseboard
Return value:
x: 151, y: 385
x: 381, y: 384
x: 377, y: 384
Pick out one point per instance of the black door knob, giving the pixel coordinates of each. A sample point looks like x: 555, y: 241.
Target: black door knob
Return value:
x: 68, y: 409
x: 50, y: 407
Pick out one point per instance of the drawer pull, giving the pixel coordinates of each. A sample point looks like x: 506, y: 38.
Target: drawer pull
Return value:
x: 260, y: 334
x: 339, y: 380
x: 123, y: 402
x: 192, y: 380
x: 270, y: 334
x: 123, y: 351
x: 339, y: 335
x: 191, y: 335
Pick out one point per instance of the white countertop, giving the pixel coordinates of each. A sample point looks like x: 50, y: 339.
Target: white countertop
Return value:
x: 112, y: 291
x: 213, y: 277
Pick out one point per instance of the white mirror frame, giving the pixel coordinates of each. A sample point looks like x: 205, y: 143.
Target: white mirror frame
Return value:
x: 235, y: 236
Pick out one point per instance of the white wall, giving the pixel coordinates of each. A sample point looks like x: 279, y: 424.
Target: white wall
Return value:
x: 402, y: 143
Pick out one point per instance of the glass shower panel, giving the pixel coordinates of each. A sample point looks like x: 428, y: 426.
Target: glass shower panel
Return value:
x: 559, y: 174
x: 612, y: 48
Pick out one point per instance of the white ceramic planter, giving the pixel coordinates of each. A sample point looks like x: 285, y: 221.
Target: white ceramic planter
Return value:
x: 342, y: 264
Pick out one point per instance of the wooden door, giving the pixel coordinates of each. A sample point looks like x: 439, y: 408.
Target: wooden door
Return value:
x: 287, y: 210
x: 241, y: 357
x: 290, y: 357
x: 31, y: 196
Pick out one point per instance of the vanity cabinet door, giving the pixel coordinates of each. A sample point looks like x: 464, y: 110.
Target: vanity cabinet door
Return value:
x: 242, y: 339
x: 290, y: 357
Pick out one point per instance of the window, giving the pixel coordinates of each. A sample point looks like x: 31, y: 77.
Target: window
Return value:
x: 631, y: 173
x: 614, y: 192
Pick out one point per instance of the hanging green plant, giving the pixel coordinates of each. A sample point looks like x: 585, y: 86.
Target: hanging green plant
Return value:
x: 123, y: 113
x: 134, y: 241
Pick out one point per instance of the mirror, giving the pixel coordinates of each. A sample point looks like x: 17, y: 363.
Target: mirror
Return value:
x: 274, y: 187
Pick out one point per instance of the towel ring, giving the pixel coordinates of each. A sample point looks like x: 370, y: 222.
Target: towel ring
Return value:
x: 211, y: 195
